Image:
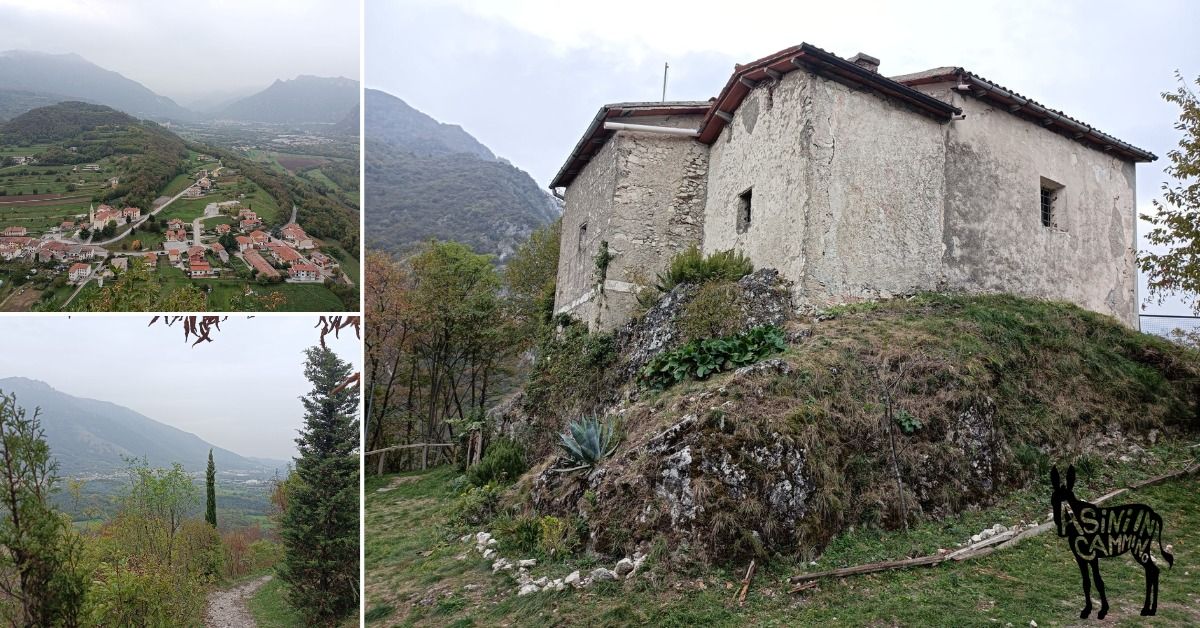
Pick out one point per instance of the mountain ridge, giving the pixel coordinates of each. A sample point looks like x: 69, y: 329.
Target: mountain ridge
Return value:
x: 304, y: 99
x: 428, y: 179
x: 72, y: 77
x: 93, y: 435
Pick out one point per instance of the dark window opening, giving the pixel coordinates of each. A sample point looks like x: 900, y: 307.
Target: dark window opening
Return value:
x: 744, y: 209
x: 1049, y: 201
x: 582, y: 237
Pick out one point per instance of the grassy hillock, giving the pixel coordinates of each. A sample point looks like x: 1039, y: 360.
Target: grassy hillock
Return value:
x: 882, y: 430
x: 882, y: 414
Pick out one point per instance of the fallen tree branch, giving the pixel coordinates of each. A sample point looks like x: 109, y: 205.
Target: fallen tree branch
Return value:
x: 982, y: 548
x: 741, y: 596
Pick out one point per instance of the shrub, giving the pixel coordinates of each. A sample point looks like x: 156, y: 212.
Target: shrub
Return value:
x: 588, y: 441
x: 503, y: 463
x: 691, y: 266
x: 702, y: 358
x: 712, y: 312
x: 520, y: 533
x: 477, y: 505
x: 556, y: 538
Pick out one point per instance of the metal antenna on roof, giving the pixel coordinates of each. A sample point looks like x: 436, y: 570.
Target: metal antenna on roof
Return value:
x: 666, y: 66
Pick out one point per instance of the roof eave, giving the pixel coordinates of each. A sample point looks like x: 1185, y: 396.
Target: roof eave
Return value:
x: 821, y: 63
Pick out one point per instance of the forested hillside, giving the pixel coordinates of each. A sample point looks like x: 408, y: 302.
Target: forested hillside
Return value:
x: 428, y: 180
x: 81, y: 133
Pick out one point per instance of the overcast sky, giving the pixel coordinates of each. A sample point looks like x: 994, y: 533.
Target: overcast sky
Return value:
x: 525, y: 77
x: 240, y: 392
x: 195, y: 49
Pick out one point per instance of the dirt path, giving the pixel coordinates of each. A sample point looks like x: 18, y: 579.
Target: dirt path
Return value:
x: 227, y: 607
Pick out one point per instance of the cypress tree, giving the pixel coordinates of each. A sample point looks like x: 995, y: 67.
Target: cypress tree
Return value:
x: 210, y: 480
x: 320, y: 524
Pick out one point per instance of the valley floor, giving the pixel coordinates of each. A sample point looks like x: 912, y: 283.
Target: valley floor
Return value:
x: 419, y: 573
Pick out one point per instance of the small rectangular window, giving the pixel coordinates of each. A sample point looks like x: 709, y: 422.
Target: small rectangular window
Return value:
x: 582, y: 237
x: 744, y: 209
x: 1050, y: 192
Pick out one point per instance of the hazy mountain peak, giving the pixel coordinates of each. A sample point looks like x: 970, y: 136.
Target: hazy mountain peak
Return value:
x: 91, y: 435
x: 71, y: 77
x: 304, y: 99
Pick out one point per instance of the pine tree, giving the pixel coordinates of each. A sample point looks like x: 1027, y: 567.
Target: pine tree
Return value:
x: 320, y: 523
x: 210, y: 479
x: 41, y: 552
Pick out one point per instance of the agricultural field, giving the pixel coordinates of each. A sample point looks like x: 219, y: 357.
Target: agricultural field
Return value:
x: 40, y: 197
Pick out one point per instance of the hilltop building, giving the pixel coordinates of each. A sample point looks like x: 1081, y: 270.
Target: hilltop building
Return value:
x: 854, y: 186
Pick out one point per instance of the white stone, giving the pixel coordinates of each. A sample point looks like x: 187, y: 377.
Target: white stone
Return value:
x: 976, y: 538
x: 489, y: 553
x: 541, y: 582
x: 527, y: 589
x: 573, y: 579
x: 624, y: 567
x: 601, y: 574
x: 491, y: 543
x: 481, y: 538
x: 528, y: 562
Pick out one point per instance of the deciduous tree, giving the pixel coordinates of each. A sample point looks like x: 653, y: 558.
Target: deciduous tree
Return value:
x: 1177, y: 215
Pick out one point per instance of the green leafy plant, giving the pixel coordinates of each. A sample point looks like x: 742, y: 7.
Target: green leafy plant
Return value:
x: 602, y: 259
x: 907, y: 422
x: 702, y: 358
x: 691, y: 266
x: 503, y: 463
x: 589, y: 440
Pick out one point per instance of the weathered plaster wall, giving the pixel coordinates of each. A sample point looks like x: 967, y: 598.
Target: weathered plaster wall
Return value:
x: 847, y: 189
x: 643, y: 194
x: 994, y: 237
x: 855, y: 196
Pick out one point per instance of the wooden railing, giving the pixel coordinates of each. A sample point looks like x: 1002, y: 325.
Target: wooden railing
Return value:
x: 424, y: 447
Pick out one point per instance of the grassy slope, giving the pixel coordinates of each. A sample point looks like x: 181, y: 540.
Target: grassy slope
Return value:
x: 1037, y: 580
x: 270, y: 607
x: 1055, y: 374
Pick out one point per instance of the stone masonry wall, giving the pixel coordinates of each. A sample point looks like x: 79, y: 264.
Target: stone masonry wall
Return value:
x: 654, y: 209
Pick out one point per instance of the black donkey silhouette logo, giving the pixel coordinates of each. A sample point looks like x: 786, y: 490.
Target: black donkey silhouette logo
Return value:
x: 1095, y: 532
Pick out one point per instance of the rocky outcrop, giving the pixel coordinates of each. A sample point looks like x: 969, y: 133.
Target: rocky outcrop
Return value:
x: 764, y: 297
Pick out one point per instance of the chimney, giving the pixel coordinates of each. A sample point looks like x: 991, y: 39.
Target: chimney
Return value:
x: 866, y: 62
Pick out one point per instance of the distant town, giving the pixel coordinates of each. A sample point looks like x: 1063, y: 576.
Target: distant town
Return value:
x: 221, y: 239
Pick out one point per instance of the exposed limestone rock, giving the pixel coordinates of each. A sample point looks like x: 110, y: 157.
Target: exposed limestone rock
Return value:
x: 600, y: 574
x: 624, y: 567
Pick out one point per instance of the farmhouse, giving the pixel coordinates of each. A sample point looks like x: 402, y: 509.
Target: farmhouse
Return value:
x: 79, y: 272
x: 259, y: 239
x: 99, y: 217
x: 854, y: 186
x: 294, y: 234
x: 244, y: 243
x: 283, y: 252
x: 15, y: 232
x: 323, y: 261
x: 304, y: 272
x: 151, y: 259
x: 174, y: 223
x: 200, y: 268
x: 257, y: 262
x: 222, y: 229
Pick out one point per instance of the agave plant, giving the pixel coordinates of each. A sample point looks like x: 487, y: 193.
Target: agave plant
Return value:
x: 588, y: 441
